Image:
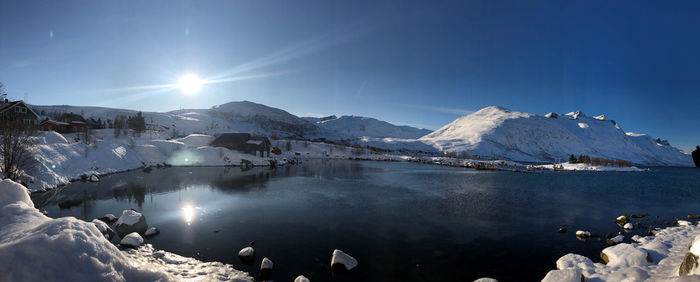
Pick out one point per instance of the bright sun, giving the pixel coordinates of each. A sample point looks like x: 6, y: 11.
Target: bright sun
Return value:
x: 189, y: 83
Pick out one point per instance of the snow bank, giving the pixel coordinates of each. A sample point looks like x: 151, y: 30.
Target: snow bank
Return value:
x: 34, y: 247
x: 651, y: 258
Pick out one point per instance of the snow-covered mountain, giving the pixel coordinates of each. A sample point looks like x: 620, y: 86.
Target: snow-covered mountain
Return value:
x: 356, y: 126
x: 495, y: 132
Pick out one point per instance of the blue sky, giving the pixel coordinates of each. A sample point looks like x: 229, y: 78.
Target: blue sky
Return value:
x: 422, y: 63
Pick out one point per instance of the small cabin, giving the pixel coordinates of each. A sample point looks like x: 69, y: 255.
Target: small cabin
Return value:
x: 52, y: 125
x: 244, y: 142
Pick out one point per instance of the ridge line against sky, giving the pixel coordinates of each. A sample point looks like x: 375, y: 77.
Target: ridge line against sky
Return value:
x: 409, y: 61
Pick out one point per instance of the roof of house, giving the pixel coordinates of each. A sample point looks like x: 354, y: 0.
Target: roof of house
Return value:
x: 72, y: 117
x: 4, y: 107
x: 232, y: 138
x: 54, y: 122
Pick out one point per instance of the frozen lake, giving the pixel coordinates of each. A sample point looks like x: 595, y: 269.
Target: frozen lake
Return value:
x: 402, y: 221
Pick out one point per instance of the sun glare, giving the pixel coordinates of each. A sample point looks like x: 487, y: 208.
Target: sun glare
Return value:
x: 188, y: 213
x: 189, y: 83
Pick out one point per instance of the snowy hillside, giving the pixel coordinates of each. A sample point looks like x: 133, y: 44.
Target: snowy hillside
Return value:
x: 497, y: 132
x: 352, y: 127
x: 230, y: 117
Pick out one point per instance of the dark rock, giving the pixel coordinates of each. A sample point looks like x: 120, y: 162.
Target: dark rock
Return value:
x: 608, y: 236
x: 636, y: 215
x: 690, y: 262
x: 561, y: 230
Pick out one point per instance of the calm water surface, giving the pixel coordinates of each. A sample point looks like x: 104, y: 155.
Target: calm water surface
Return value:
x: 402, y: 221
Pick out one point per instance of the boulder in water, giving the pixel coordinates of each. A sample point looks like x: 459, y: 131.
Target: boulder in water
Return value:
x: 696, y: 156
x: 133, y: 240
x: 131, y: 221
x: 342, y: 261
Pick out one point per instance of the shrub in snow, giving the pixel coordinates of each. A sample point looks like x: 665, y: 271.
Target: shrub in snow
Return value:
x: 133, y: 240
x: 564, y: 275
x: 131, y: 221
x: 266, y: 269
x: 342, y: 261
x: 301, y: 278
x: 152, y: 231
x: 103, y: 228
x: 628, y: 226
x: 625, y: 255
x: 246, y: 254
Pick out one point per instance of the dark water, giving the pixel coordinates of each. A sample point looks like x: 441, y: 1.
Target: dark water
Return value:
x: 402, y: 221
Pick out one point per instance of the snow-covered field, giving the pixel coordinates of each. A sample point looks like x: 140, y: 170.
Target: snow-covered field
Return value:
x: 651, y: 258
x: 34, y: 247
x: 60, y: 159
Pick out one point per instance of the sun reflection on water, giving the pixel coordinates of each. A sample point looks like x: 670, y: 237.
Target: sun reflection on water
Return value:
x: 188, y: 213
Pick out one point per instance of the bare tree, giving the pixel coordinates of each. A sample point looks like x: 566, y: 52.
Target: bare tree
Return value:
x: 15, y: 148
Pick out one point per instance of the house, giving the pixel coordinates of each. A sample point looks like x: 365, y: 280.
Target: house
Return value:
x: 66, y: 123
x: 244, y: 142
x: 52, y: 125
x: 76, y: 122
x: 17, y: 111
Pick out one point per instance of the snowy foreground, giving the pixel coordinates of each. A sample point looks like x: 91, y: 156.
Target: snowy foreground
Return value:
x: 652, y: 258
x: 34, y: 247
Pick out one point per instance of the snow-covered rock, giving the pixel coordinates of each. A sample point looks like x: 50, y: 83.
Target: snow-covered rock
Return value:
x: 628, y: 226
x: 152, y: 231
x: 485, y: 279
x: 94, y: 178
x: 684, y: 223
x: 301, y: 278
x: 625, y: 255
x: 617, y: 239
x: 266, y: 264
x: 583, y: 234
x: 131, y: 221
x: 266, y: 269
x: 341, y: 259
x: 495, y: 132
x: 108, y: 217
x: 104, y: 228
x: 622, y: 219
x: 246, y: 254
x: 132, y: 240
x: 34, y: 247
x: 564, y: 275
